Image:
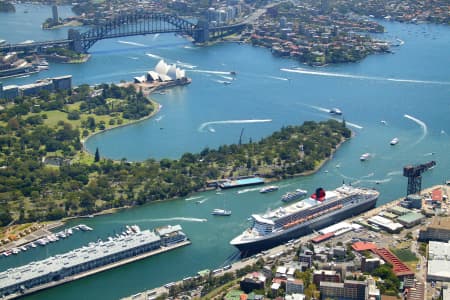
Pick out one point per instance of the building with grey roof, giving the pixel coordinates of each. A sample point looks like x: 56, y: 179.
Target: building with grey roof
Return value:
x: 95, y: 255
x: 411, y: 219
x: 438, y: 261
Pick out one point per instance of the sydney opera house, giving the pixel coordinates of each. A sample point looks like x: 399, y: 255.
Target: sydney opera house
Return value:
x: 164, y: 73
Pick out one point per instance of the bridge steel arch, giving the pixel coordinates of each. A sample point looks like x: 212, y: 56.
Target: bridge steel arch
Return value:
x: 137, y: 23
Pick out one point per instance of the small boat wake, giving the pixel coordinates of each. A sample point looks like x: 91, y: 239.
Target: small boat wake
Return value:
x: 248, y: 190
x: 155, y: 36
x: 278, y: 78
x: 363, y: 77
x: 185, y: 65
x: 429, y: 153
x: 193, y: 198
x: 227, y: 77
x: 159, y: 118
x: 132, y: 43
x: 202, y: 201
x: 394, y: 173
x: 211, y: 129
x: 368, y: 175
x: 349, y: 123
x: 421, y: 124
x: 202, y: 127
x: 322, y: 109
x: 212, y: 72
x: 153, y: 56
x: 186, y: 219
x: 133, y: 57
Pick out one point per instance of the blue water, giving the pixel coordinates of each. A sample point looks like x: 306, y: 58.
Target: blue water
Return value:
x: 414, y: 81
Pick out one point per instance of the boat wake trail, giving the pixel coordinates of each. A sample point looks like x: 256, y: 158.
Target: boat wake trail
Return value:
x: 227, y: 77
x: 247, y: 190
x: 155, y: 36
x: 422, y: 124
x: 153, y: 55
x: 186, y: 219
x: 343, y: 75
x: 212, y: 72
x: 132, y: 43
x: 349, y: 123
x: 186, y: 65
x: 202, y: 201
x: 368, y: 175
x: 204, y: 125
x: 322, y: 109
x: 394, y: 173
x: 193, y: 198
x: 279, y: 78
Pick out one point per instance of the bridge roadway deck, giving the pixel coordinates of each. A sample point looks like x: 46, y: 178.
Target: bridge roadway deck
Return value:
x: 159, y: 291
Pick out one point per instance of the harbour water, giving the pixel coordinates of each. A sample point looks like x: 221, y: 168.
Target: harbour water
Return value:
x: 409, y: 90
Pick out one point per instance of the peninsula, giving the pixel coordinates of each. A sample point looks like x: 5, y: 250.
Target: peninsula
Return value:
x: 76, y: 183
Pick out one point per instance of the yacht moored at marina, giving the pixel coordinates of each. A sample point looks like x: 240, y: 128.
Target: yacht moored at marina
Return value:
x: 303, y: 217
x: 291, y: 196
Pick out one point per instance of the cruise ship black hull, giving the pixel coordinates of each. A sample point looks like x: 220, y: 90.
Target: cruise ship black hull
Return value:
x: 305, y: 228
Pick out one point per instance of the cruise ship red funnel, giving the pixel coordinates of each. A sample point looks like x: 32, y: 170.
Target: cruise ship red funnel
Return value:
x: 319, y: 195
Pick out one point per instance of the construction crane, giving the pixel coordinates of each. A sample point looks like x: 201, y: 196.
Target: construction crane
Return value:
x: 414, y: 174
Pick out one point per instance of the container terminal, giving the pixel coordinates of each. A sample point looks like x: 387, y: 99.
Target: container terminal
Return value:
x: 99, y: 256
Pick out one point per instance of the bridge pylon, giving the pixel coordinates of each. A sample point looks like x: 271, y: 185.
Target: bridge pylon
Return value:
x: 201, y: 33
x: 75, y: 44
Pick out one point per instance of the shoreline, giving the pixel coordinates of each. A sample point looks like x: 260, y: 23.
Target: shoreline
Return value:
x: 153, y: 113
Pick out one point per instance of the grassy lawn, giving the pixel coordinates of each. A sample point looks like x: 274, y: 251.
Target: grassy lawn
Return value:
x: 405, y: 255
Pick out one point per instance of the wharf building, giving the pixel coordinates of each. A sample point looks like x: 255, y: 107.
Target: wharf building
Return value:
x: 33, y: 89
x: 62, y: 268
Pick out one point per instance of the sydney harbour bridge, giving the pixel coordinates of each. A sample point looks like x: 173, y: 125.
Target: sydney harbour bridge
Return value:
x: 131, y: 24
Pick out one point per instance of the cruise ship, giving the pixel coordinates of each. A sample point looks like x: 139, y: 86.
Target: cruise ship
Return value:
x: 303, y: 217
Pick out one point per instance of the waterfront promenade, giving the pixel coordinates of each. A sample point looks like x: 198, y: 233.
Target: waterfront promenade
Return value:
x: 281, y: 249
